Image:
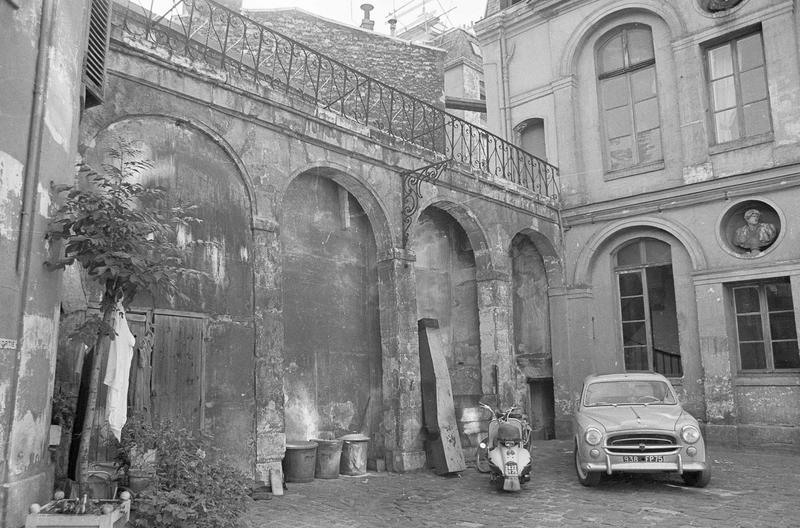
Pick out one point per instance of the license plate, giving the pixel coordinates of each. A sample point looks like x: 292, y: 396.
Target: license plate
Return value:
x: 643, y: 458
x: 511, y: 469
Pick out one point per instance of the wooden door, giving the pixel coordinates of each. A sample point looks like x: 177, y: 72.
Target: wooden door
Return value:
x: 176, y: 389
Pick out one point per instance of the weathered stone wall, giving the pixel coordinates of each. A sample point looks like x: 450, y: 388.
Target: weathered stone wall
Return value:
x: 273, y: 140
x: 415, y: 69
x: 37, y: 148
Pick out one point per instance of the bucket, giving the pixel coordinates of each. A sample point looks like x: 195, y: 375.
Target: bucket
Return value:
x: 354, y: 454
x: 298, y: 463
x: 329, y: 454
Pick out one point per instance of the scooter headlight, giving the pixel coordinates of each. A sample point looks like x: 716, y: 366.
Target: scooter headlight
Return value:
x: 690, y: 434
x: 593, y: 436
x: 483, y: 445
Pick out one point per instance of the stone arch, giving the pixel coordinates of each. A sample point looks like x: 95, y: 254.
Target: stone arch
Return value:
x: 554, y: 265
x: 205, y: 338
x: 332, y: 383
x: 589, y: 251
x: 199, y: 126
x: 536, y: 271
x: 386, y: 237
x: 569, y: 57
x: 467, y: 219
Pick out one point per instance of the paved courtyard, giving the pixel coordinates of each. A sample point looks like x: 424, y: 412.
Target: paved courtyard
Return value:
x: 748, y: 489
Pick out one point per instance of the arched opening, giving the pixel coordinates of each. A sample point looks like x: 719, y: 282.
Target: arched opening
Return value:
x: 648, y: 308
x: 447, y: 292
x: 192, y: 353
x: 333, y: 375
x: 531, y: 137
x: 531, y: 312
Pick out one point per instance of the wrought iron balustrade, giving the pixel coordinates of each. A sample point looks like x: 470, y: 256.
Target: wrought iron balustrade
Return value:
x: 204, y: 31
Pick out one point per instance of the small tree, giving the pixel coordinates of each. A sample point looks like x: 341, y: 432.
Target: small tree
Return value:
x: 123, y: 234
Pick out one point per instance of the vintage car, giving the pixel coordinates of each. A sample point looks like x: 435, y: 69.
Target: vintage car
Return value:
x: 633, y: 423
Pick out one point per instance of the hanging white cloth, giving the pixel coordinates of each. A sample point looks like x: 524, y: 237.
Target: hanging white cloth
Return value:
x: 120, y: 355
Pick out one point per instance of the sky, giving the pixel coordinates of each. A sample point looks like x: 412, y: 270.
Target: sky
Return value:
x: 457, y: 13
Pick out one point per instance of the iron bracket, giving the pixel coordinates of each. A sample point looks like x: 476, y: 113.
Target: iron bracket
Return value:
x: 412, y: 181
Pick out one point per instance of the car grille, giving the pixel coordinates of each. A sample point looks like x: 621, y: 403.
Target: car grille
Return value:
x: 624, y: 444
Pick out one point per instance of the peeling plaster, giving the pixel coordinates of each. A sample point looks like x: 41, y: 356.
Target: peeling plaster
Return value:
x: 59, y: 115
x: 10, y: 188
x: 44, y: 201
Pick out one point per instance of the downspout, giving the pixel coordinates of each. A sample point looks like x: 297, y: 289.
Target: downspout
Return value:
x: 505, y: 58
x: 30, y: 184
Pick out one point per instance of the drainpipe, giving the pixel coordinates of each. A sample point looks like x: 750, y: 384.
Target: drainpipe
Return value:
x: 30, y: 185
x: 505, y: 59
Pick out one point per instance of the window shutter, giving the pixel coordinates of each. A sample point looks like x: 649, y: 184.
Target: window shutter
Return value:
x: 94, y: 65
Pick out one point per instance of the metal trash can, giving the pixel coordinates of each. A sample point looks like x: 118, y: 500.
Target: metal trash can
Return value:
x: 329, y: 454
x: 299, y: 461
x: 354, y: 454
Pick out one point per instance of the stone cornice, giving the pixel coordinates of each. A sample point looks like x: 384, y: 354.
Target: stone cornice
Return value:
x: 761, y: 182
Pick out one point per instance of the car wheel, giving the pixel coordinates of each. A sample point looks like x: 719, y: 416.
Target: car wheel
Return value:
x: 697, y: 479
x: 586, y: 478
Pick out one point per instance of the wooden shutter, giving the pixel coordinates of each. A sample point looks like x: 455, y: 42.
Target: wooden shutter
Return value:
x: 94, y: 64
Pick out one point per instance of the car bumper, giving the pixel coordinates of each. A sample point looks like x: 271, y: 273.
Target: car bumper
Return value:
x: 677, y: 463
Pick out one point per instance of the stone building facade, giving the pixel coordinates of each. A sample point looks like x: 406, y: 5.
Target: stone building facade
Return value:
x: 670, y: 122
x: 42, y: 49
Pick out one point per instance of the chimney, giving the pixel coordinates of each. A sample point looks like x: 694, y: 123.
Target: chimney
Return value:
x: 367, y: 23
x: 392, y: 26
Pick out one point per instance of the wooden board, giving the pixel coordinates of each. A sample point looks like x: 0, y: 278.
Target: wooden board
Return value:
x: 444, y: 442
x: 177, y: 369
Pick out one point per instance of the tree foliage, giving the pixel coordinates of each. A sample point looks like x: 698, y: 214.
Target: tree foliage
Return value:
x: 119, y: 230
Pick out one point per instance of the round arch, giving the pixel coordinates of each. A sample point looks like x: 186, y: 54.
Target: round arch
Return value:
x: 202, y: 128
x: 471, y: 225
x: 386, y: 238
x: 569, y: 57
x: 680, y: 232
x: 553, y: 264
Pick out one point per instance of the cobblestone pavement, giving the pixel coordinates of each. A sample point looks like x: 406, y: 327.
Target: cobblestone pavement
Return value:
x: 748, y: 489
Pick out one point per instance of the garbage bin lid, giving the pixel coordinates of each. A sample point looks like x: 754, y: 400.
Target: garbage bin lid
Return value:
x: 299, y: 444
x: 354, y: 437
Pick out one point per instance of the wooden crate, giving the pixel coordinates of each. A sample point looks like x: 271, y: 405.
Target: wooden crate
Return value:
x: 116, y: 519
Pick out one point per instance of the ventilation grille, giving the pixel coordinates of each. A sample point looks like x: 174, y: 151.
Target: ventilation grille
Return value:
x: 94, y: 66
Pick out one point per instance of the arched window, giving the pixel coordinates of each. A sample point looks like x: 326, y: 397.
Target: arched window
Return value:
x: 531, y: 137
x: 647, y: 307
x: 629, y: 97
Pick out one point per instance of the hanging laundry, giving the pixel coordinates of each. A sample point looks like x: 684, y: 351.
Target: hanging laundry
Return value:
x: 120, y: 355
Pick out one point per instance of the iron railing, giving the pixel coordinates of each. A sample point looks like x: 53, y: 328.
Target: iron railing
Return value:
x: 204, y: 31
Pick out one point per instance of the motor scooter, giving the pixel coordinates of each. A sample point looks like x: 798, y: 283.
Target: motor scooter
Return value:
x: 505, y: 453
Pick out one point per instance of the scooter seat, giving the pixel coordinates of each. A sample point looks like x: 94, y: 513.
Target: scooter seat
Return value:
x: 508, y: 433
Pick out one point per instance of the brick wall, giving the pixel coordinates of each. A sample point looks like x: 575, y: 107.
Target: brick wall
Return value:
x: 415, y: 69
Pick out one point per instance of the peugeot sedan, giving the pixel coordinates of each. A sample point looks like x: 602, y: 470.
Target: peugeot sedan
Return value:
x: 633, y: 423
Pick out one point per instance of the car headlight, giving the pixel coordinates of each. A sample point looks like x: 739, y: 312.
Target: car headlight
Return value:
x: 593, y: 436
x: 690, y: 434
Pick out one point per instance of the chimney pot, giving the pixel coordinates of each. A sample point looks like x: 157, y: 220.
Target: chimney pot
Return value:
x: 367, y: 23
x: 392, y: 26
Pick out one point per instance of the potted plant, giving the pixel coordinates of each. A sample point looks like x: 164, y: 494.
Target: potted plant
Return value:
x: 195, y: 484
x: 136, y: 452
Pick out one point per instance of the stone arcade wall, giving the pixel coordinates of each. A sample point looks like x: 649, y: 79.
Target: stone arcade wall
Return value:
x: 274, y: 141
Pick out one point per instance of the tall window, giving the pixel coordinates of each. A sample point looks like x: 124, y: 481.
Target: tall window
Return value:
x: 647, y: 307
x: 629, y: 98
x: 765, y: 326
x: 738, y: 88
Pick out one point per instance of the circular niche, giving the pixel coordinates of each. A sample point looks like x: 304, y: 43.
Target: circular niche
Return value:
x: 749, y: 228
x: 715, y: 6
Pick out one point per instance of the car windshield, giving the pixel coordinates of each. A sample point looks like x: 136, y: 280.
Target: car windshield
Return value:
x: 628, y: 392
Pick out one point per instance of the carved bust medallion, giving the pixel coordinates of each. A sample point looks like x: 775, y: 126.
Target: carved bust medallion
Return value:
x: 714, y: 6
